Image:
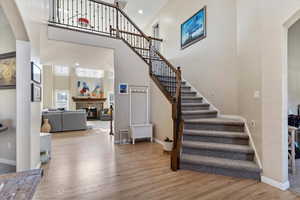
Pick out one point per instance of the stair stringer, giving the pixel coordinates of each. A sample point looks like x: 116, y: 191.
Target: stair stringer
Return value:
x: 205, y: 100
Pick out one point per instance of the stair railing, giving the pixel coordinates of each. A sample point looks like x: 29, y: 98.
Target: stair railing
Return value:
x: 106, y: 19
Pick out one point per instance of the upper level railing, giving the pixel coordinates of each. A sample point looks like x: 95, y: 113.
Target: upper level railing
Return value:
x: 109, y: 20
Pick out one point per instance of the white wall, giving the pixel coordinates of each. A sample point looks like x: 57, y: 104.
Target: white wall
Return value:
x: 249, y: 64
x: 8, y: 97
x: 209, y: 65
x: 47, y: 82
x: 294, y: 68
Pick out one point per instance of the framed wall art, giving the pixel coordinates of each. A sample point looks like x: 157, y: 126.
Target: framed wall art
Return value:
x: 193, y: 29
x: 36, y: 73
x: 36, y: 93
x: 123, y: 88
x: 8, y: 70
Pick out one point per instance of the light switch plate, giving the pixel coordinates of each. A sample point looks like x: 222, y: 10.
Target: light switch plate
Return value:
x: 256, y: 94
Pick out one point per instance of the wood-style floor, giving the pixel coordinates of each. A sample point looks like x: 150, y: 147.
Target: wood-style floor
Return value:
x: 88, y: 166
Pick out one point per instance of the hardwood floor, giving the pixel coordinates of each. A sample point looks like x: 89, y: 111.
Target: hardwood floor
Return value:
x: 88, y: 166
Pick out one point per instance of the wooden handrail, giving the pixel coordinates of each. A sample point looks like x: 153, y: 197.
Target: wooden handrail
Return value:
x: 135, y: 26
x: 104, y: 3
x: 136, y: 34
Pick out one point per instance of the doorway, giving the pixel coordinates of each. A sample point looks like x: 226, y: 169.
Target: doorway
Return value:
x: 293, y: 88
x: 156, y: 34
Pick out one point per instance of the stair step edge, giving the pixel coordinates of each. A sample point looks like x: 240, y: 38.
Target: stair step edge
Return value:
x: 208, y: 133
x: 220, y: 162
x: 194, y: 104
x: 195, y: 112
x: 218, y: 147
x: 216, y: 122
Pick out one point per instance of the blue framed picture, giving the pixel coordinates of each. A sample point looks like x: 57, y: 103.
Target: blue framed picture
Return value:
x: 123, y: 88
x: 193, y: 29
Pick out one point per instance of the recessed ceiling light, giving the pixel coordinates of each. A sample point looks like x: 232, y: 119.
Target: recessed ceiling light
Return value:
x: 76, y: 64
x: 140, y: 11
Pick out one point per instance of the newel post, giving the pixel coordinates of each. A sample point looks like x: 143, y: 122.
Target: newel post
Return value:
x: 111, y: 120
x: 177, y: 129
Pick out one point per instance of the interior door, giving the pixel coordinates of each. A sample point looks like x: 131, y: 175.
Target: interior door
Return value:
x: 156, y: 34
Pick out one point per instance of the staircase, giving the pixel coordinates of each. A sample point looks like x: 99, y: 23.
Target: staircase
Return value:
x: 203, y: 141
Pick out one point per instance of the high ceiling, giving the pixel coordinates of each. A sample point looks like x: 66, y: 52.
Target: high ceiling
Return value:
x: 68, y: 54
x: 149, y: 7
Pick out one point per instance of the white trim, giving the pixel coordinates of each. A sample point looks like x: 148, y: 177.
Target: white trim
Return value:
x: 8, y: 162
x: 247, y: 131
x: 282, y: 186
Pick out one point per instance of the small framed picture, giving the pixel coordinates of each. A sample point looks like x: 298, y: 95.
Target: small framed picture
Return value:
x: 123, y: 88
x: 36, y: 73
x: 36, y: 93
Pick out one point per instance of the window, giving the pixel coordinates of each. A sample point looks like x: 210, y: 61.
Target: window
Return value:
x: 61, y: 71
x: 62, y: 99
x: 89, y: 73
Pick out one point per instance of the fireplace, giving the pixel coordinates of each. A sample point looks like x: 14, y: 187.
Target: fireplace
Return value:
x: 93, y: 106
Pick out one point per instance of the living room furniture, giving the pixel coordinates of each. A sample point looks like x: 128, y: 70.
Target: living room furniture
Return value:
x: 87, y: 102
x: 139, y: 131
x: 45, y: 147
x: 140, y: 126
x: 61, y: 121
x: 3, y: 128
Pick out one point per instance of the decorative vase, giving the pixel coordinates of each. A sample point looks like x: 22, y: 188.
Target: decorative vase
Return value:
x: 46, y: 128
x: 168, y: 146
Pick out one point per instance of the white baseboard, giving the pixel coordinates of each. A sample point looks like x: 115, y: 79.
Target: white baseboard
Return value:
x: 282, y: 186
x: 8, y: 162
x: 158, y: 141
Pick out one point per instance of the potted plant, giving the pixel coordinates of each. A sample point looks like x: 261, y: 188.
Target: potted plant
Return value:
x: 168, y: 144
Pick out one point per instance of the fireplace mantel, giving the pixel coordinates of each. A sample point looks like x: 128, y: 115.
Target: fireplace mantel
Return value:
x: 88, y: 99
x: 92, y: 105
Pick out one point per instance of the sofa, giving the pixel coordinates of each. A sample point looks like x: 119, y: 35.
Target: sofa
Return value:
x: 61, y: 121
